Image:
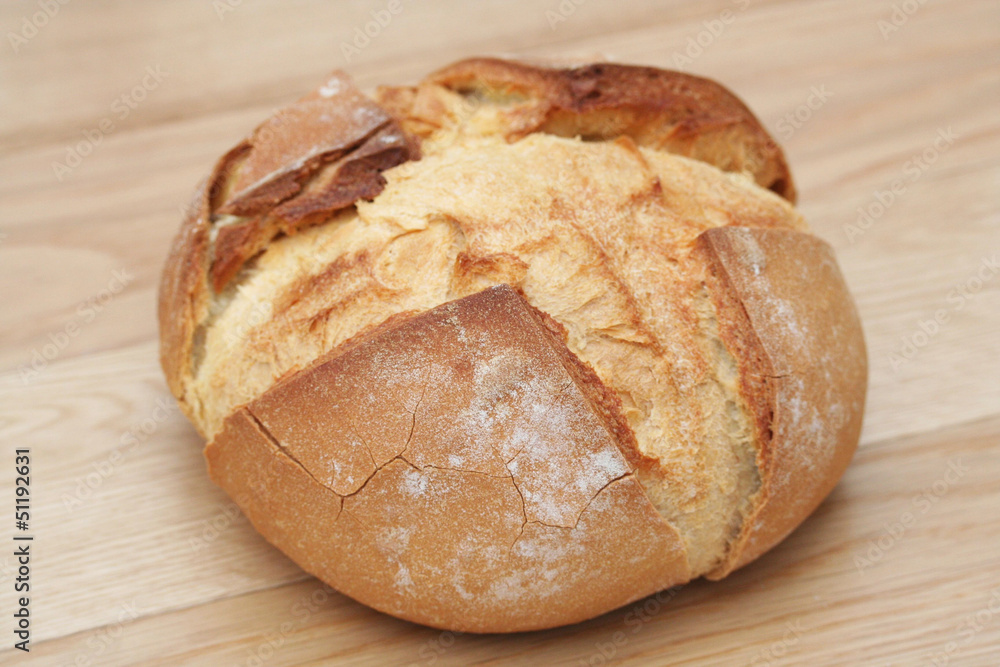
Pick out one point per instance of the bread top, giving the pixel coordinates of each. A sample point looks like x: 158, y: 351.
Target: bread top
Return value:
x: 326, y: 151
x: 614, y: 218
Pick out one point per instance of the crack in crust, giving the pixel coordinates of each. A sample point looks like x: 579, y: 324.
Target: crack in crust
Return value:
x: 577, y: 465
x: 802, y: 373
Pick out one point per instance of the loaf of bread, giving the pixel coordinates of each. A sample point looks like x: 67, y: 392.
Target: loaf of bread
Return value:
x: 514, y: 346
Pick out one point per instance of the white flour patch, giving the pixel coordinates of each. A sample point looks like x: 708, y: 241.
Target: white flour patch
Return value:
x: 414, y: 483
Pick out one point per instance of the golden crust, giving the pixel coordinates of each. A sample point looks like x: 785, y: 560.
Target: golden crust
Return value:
x: 645, y: 286
x: 263, y: 178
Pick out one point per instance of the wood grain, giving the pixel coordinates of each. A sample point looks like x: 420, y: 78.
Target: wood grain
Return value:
x: 130, y: 529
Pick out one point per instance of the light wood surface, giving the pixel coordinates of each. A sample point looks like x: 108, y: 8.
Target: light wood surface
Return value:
x: 139, y: 559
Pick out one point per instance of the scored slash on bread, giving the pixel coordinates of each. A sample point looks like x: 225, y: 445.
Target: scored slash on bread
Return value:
x: 803, y: 373
x: 514, y: 346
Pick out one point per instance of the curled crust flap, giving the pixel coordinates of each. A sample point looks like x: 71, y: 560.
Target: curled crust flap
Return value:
x: 785, y: 312
x: 309, y: 160
x: 452, y: 470
x: 659, y: 109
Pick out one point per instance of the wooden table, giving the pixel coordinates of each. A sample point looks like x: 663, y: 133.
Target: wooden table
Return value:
x: 111, y: 111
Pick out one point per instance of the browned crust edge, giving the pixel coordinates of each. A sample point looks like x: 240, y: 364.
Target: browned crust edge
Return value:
x: 184, y: 291
x: 661, y: 109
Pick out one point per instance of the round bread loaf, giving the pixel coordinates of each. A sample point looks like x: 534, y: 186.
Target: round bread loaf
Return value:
x: 515, y: 346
